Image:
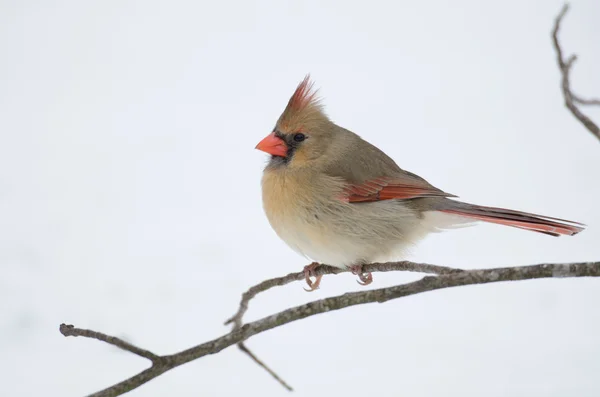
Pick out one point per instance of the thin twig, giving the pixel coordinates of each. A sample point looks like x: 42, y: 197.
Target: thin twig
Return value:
x: 565, y: 68
x: 70, y: 330
x: 581, y: 101
x: 243, y: 348
x: 428, y: 283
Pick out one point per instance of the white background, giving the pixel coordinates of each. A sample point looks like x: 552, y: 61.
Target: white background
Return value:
x: 130, y: 192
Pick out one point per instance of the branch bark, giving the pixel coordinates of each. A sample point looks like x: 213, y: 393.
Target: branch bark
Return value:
x: 453, y: 278
x: 565, y: 68
x: 69, y: 330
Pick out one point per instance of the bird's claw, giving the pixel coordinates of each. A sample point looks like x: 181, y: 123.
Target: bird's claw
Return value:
x: 309, y: 271
x: 364, y: 278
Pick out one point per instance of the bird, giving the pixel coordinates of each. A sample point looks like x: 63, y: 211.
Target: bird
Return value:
x: 337, y: 199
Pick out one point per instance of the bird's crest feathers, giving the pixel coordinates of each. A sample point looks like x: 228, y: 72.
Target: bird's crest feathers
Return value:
x: 304, y: 96
x: 303, y: 109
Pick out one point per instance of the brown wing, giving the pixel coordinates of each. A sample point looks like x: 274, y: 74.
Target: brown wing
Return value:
x: 386, y: 188
x: 371, y: 175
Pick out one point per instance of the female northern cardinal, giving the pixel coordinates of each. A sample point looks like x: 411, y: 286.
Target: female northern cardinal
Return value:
x: 337, y: 199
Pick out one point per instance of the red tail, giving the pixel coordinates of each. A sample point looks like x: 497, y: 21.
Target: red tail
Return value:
x: 522, y: 220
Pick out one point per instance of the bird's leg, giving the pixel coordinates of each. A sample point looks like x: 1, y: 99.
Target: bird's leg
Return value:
x: 365, y: 278
x: 309, y: 271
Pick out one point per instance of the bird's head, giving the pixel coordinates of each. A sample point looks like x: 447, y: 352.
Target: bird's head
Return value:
x: 303, y: 132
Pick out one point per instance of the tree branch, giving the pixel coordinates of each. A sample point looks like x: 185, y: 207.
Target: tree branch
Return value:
x: 565, y: 67
x: 69, y: 330
x: 250, y: 354
x: 324, y: 270
x: 582, y: 101
x: 321, y: 270
x: 454, y: 278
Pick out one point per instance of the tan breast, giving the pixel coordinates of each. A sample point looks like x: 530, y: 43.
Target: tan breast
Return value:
x: 293, y: 201
x: 287, y: 195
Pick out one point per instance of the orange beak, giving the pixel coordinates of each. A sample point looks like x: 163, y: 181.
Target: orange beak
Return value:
x: 274, y: 145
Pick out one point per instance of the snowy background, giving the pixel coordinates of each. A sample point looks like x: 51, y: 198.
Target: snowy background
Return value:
x: 130, y: 192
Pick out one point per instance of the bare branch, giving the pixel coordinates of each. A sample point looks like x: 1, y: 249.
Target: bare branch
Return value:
x: 243, y: 348
x: 450, y: 279
x: 324, y: 270
x: 581, y: 101
x: 565, y: 68
x: 70, y: 330
x: 321, y: 270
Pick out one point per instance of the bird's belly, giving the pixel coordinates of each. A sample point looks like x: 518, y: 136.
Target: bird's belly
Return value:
x: 342, y: 237
x: 320, y: 244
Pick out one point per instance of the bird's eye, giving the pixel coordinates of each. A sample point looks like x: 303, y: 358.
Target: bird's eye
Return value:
x: 299, y: 137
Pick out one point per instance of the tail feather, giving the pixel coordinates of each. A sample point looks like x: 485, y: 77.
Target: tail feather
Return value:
x: 522, y: 220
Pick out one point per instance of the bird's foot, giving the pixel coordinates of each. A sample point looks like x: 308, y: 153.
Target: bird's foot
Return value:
x: 365, y: 278
x: 309, y: 271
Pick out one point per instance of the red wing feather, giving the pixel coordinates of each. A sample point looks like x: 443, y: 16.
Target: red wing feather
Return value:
x: 387, y: 188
